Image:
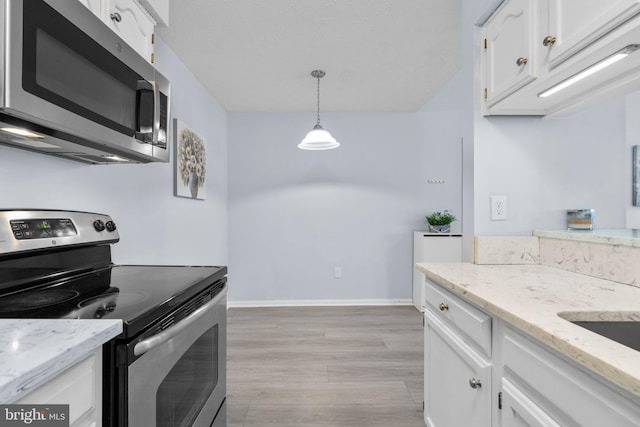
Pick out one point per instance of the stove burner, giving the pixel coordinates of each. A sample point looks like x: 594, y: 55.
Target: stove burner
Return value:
x: 106, y: 298
x: 35, y: 299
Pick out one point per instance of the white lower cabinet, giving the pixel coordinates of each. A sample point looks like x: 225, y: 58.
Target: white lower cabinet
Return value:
x: 553, y: 391
x: 80, y: 386
x: 517, y: 410
x: 457, y: 383
x: 481, y: 371
x: 457, y: 380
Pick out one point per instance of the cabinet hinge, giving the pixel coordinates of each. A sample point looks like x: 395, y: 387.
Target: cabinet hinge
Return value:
x: 486, y: 93
x: 423, y: 321
x: 485, y: 43
x: 423, y: 406
x: 500, y: 400
x: 153, y: 38
x: 153, y: 58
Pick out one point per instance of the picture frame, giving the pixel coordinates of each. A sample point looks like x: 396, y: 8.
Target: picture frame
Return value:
x: 190, y: 162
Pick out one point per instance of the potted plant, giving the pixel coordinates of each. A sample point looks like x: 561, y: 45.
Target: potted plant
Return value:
x: 440, y: 222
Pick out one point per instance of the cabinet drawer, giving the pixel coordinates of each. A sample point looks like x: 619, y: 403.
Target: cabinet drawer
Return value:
x: 474, y: 324
x: 554, y: 383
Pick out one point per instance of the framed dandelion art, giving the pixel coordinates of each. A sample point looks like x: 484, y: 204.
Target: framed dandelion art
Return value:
x: 190, y: 162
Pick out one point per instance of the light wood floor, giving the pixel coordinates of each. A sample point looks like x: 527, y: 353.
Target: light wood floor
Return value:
x: 325, y: 367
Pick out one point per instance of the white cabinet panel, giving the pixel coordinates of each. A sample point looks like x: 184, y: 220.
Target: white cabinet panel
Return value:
x: 576, y: 24
x: 80, y: 387
x: 130, y: 21
x: 429, y: 247
x: 451, y: 367
x: 510, y: 61
x: 519, y: 411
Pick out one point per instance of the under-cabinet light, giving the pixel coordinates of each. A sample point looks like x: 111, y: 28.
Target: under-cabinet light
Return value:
x: 610, y: 60
x: 22, y: 132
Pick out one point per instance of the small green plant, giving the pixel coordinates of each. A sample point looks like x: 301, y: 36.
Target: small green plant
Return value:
x: 441, y: 218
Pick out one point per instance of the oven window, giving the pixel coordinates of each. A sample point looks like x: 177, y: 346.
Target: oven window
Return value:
x: 189, y: 384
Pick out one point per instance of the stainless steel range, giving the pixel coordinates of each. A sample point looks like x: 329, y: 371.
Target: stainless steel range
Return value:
x: 168, y: 367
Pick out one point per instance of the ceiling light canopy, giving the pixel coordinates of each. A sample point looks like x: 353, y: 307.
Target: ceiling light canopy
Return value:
x: 318, y: 138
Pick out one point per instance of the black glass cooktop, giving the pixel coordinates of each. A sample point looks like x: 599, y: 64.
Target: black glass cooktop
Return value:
x: 139, y: 295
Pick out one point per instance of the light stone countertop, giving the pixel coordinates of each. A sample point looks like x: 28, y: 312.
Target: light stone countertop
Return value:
x: 530, y: 298
x: 33, y: 351
x: 609, y: 236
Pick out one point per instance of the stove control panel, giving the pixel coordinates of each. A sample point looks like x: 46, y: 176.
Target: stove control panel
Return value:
x: 27, y: 230
x: 42, y: 228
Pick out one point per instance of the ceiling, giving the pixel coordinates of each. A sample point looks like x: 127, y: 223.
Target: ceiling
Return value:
x: 257, y: 55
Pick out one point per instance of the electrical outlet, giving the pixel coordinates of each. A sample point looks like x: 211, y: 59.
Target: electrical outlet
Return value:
x: 498, y: 208
x: 337, y: 272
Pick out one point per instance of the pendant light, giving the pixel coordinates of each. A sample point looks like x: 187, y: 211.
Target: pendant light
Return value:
x: 318, y: 138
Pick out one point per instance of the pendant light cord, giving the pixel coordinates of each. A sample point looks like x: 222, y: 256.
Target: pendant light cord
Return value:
x: 318, y: 122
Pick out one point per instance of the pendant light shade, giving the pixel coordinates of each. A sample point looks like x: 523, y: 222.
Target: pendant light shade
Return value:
x: 318, y: 138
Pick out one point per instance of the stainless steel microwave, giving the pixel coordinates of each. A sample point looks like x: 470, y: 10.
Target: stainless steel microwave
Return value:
x: 71, y: 87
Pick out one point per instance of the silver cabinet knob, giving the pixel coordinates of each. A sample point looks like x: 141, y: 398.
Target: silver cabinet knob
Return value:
x: 521, y: 61
x: 475, y: 383
x: 116, y: 17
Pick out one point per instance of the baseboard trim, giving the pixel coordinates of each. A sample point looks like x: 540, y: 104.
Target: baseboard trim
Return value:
x: 319, y: 303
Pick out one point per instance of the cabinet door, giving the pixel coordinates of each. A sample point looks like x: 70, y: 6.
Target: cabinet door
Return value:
x: 450, y: 368
x: 577, y: 23
x: 510, y: 60
x: 132, y: 24
x: 519, y: 411
x: 80, y: 387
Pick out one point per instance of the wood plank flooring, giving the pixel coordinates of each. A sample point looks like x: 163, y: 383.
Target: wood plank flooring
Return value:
x: 325, y: 367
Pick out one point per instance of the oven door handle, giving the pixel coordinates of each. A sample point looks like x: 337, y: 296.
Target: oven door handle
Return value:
x: 144, y: 346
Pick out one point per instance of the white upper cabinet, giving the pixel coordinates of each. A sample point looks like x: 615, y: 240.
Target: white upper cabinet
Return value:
x: 530, y: 46
x: 510, y: 53
x: 575, y: 24
x: 130, y: 21
x: 134, y: 21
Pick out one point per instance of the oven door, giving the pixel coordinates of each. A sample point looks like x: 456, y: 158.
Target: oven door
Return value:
x: 179, y: 378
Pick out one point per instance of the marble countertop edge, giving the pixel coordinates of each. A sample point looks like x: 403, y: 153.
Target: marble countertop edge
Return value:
x: 609, y: 359
x: 67, y: 342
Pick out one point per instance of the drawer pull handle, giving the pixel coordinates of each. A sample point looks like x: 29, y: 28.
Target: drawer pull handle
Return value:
x: 521, y: 61
x: 549, y: 40
x: 475, y: 383
x: 116, y: 17
x: 443, y: 307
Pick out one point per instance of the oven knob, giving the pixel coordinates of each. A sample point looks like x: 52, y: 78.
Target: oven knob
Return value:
x: 98, y: 225
x: 111, y: 226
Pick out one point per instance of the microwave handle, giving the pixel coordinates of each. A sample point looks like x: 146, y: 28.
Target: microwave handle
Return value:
x: 156, y: 113
x: 144, y: 346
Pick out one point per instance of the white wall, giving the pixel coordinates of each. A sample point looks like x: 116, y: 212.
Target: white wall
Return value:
x: 546, y: 166
x: 543, y: 166
x: 154, y: 225
x: 295, y: 215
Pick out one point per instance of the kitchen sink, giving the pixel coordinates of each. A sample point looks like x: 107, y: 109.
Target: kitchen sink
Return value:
x: 626, y: 333
x: 623, y: 328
